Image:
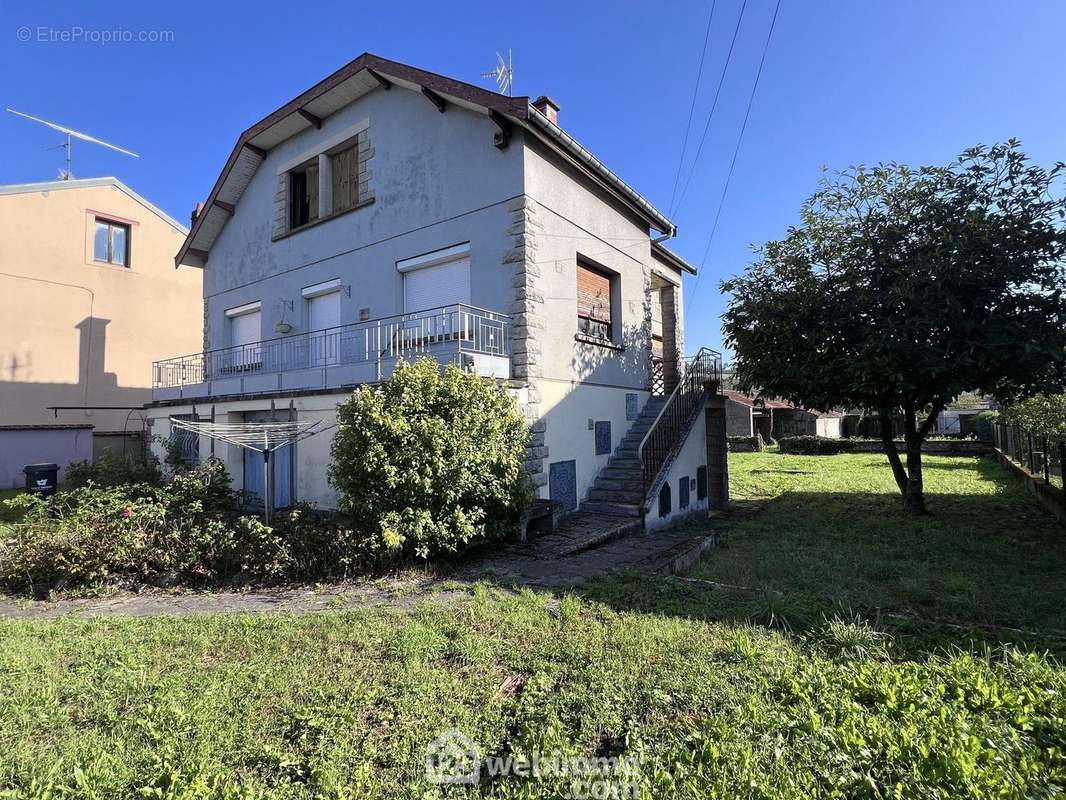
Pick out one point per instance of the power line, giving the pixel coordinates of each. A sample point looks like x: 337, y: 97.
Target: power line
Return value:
x: 710, y: 116
x: 692, y: 105
x: 736, y: 150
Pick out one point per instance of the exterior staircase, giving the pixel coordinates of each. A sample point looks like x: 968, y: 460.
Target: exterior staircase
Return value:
x: 619, y: 489
x: 641, y: 459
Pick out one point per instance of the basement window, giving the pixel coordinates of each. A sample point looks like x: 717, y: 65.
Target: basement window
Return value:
x: 594, y: 313
x: 303, y: 194
x: 111, y: 242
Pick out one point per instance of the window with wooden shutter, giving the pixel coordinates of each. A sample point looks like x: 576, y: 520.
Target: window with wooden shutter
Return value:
x: 593, y: 302
x: 303, y: 195
x: 345, y: 179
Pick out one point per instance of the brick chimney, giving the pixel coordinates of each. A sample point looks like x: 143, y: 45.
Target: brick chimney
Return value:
x: 548, y: 107
x: 196, y: 212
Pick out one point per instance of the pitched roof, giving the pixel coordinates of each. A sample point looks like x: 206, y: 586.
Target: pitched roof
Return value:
x: 361, y: 76
x: 763, y: 402
x: 87, y: 183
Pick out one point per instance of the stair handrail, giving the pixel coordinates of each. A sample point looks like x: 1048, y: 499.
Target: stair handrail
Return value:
x: 702, y: 368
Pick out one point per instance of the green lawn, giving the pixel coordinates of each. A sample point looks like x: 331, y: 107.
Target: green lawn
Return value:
x: 667, y: 673
x: 986, y: 553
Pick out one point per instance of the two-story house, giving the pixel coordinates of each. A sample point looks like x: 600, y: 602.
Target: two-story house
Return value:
x: 389, y: 212
x: 89, y: 298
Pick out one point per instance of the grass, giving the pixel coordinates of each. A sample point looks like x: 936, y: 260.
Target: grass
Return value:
x: 836, y: 531
x: 786, y: 691
x: 343, y: 705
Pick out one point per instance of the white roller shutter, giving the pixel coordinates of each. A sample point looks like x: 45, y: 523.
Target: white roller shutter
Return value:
x: 245, y: 328
x: 435, y: 286
x: 324, y: 311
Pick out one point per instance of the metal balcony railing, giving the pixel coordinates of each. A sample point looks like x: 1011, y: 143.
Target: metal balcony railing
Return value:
x: 443, y: 333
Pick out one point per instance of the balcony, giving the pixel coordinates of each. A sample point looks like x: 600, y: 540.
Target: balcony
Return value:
x: 362, y: 352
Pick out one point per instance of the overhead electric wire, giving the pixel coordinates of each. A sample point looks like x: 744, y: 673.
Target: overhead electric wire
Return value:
x: 710, y: 116
x: 692, y: 105
x: 736, y: 151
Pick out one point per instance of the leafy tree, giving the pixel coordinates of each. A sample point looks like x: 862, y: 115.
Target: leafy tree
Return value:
x: 1041, y: 415
x: 903, y: 288
x: 430, y: 461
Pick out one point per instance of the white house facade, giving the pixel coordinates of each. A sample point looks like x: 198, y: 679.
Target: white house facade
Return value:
x: 388, y: 213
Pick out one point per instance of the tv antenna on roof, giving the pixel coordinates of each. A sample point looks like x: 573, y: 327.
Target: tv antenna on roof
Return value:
x: 503, y: 74
x: 66, y: 175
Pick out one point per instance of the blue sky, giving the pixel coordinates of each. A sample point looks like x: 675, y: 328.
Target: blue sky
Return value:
x: 844, y: 83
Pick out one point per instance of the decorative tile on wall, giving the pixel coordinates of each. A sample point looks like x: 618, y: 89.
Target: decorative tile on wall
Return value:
x: 562, y: 484
x: 632, y: 403
x: 603, y: 438
x: 682, y: 492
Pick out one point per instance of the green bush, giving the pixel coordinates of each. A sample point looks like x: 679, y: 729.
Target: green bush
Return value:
x: 189, y: 530
x: 746, y: 444
x: 814, y: 445
x: 430, y: 461
x: 112, y: 470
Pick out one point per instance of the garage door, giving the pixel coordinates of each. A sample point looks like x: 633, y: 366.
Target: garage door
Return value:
x: 436, y: 286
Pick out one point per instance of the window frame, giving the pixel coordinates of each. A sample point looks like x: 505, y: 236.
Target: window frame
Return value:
x: 112, y: 224
x: 588, y: 326
x: 314, y: 214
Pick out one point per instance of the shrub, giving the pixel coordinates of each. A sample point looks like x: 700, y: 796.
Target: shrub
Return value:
x: 746, y: 444
x: 189, y: 530
x: 430, y: 461
x: 113, y: 470
x: 814, y: 445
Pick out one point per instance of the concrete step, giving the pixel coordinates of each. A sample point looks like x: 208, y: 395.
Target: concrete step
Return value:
x: 627, y: 484
x: 599, y: 495
x: 608, y: 509
x: 622, y: 473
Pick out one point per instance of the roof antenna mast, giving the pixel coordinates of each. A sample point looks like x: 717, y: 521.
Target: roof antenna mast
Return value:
x: 503, y: 74
x: 66, y: 175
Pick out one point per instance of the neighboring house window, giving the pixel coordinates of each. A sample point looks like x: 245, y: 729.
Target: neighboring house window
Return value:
x: 594, y: 302
x: 345, y: 169
x: 303, y: 194
x: 111, y: 242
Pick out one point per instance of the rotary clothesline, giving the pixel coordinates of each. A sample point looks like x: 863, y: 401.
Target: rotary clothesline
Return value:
x: 260, y: 437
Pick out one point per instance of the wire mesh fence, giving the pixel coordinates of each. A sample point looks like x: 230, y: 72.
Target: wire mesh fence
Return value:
x: 1043, y: 456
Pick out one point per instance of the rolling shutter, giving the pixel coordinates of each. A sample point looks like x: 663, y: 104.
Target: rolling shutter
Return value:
x: 324, y: 311
x: 436, y: 286
x: 593, y: 295
x: 245, y: 328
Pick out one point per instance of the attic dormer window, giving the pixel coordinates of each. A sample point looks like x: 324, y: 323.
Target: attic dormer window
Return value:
x: 303, y: 194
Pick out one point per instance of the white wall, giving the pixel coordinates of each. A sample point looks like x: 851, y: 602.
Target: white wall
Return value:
x: 692, y: 456
x: 829, y: 427
x: 567, y: 408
